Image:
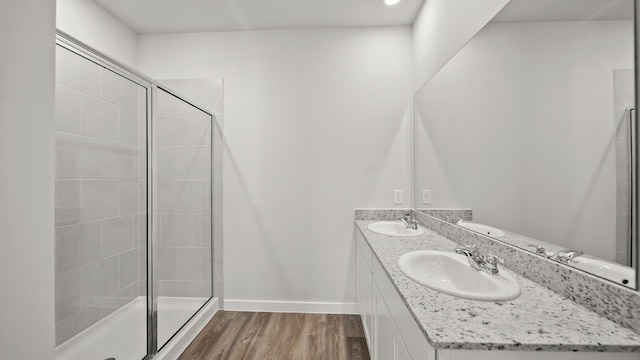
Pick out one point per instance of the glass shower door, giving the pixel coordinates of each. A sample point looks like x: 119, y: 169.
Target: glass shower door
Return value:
x: 182, y: 183
x: 100, y: 210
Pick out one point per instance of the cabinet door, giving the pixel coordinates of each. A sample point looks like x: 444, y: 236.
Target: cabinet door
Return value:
x: 364, y: 278
x: 385, y: 330
x: 368, y: 308
x: 360, y: 270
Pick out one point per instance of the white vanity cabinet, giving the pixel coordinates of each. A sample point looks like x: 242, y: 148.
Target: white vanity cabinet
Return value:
x: 391, y: 331
x: 393, y: 334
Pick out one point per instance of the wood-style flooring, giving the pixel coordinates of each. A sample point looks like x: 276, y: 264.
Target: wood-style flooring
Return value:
x: 279, y: 336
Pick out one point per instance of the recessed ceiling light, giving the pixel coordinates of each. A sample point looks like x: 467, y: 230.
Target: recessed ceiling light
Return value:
x: 391, y: 2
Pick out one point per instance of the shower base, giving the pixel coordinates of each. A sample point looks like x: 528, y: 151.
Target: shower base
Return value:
x: 123, y: 334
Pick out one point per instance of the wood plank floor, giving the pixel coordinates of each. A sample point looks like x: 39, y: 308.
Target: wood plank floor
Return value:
x: 234, y: 335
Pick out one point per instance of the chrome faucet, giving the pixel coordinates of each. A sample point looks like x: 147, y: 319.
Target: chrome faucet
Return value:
x: 566, y: 255
x: 473, y: 256
x: 454, y: 220
x: 479, y: 262
x: 410, y: 222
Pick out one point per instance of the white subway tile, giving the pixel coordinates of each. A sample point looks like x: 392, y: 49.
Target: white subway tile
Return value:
x: 193, y: 196
x: 167, y: 196
x: 117, y: 89
x: 67, y: 110
x: 77, y: 157
x: 67, y: 216
x: 174, y: 230
x: 174, y: 162
x: 201, y: 230
x: 99, y: 118
x: 193, y: 264
x: 201, y: 162
x: 192, y: 129
x: 67, y: 294
x: 128, y: 197
x: 172, y: 288
x: 76, y: 72
x: 166, y: 265
x: 91, y: 242
x: 118, y: 160
x: 99, y: 199
x: 68, y: 240
x: 128, y: 126
x: 117, y: 235
x: 129, y: 267
x: 67, y: 194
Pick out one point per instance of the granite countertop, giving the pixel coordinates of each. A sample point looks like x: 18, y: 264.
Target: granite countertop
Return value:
x: 538, y: 320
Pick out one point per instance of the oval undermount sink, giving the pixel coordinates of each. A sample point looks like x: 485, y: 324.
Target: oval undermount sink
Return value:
x: 451, y: 274
x: 394, y: 228
x: 482, y: 229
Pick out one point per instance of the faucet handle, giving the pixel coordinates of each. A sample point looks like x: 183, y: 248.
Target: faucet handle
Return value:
x: 491, y: 263
x: 494, y: 260
x: 474, y: 249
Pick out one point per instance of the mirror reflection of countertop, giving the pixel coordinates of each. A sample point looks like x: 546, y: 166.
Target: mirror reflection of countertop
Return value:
x: 611, y: 271
x: 538, y: 320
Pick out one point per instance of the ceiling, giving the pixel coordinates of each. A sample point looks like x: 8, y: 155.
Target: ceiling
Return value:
x: 171, y: 16
x: 565, y: 10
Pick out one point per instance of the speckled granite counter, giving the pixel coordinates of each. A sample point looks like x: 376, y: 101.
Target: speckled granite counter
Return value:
x: 538, y: 320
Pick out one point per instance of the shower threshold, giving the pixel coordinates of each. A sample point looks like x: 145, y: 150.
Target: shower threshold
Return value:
x: 123, y: 334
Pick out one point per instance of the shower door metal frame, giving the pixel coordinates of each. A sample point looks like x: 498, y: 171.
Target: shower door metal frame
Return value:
x: 635, y: 218
x: 153, y: 285
x: 152, y: 87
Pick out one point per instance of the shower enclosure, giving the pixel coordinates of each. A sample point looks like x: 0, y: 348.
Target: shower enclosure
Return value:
x: 133, y: 210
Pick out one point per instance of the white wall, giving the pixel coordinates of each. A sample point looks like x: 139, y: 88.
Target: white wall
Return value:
x: 442, y: 27
x: 316, y: 124
x: 537, y: 100
x: 26, y: 179
x: 92, y: 24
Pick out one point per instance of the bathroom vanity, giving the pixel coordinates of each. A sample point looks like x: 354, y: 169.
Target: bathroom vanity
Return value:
x: 405, y: 320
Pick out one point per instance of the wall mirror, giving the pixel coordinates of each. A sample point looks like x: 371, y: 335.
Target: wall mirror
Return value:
x: 531, y: 125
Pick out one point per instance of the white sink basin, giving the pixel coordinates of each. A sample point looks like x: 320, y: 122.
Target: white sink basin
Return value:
x: 482, y: 229
x: 394, y: 228
x: 623, y: 275
x: 451, y: 274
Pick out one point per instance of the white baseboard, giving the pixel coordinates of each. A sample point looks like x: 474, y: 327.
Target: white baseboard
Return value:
x: 290, y: 306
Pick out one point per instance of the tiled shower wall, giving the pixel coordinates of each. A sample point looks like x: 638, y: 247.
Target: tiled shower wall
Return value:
x: 100, y: 192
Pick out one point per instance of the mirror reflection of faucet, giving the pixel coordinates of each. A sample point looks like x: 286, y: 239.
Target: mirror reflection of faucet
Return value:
x: 539, y: 250
x: 564, y: 256
x: 456, y: 221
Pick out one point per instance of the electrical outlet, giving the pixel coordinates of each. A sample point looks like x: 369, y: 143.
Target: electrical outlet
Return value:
x: 397, y: 197
x: 426, y: 196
